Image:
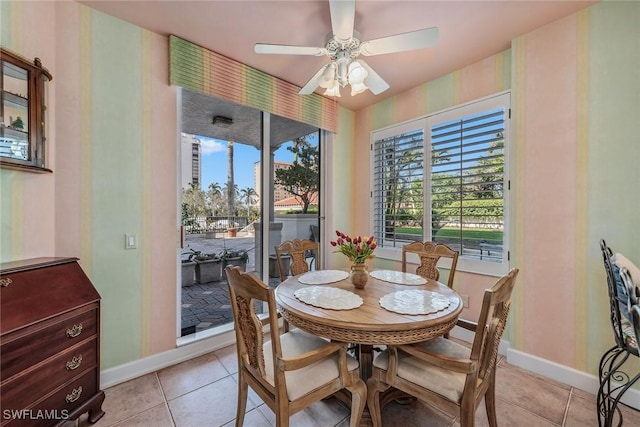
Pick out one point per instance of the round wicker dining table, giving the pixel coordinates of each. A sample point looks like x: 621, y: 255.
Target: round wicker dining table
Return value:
x: 369, y: 324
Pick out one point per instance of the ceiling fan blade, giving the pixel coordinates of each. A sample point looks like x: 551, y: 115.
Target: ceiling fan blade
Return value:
x: 313, y: 83
x: 412, y: 40
x: 343, y: 13
x: 373, y: 81
x: 289, y: 50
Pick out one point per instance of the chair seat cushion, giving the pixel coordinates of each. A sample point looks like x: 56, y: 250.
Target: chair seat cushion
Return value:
x: 629, y: 335
x: 622, y: 261
x: 618, y: 261
x: 442, y: 381
x: 304, y: 380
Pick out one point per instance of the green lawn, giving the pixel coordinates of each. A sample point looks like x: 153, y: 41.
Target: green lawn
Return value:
x: 471, y: 233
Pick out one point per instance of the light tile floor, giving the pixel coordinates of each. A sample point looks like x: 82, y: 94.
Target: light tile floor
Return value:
x: 202, y: 392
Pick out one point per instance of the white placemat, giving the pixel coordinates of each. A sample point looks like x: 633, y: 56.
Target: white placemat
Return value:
x: 322, y: 277
x: 414, y: 301
x: 398, y: 277
x: 328, y: 297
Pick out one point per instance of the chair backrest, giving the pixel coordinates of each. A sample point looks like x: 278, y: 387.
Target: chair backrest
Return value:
x: 245, y: 290
x: 614, y: 298
x: 429, y: 254
x: 491, y: 324
x: 297, y: 250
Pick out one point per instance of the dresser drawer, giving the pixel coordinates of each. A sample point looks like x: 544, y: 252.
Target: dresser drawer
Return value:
x: 56, y: 407
x: 39, y: 342
x: 48, y: 375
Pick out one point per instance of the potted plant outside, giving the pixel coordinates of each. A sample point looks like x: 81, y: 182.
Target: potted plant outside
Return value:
x: 208, y: 266
x: 188, y: 272
x: 237, y: 257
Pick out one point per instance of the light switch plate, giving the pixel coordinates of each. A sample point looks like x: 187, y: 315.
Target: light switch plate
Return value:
x: 129, y: 241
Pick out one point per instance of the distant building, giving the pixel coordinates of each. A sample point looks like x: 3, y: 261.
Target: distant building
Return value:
x: 191, y: 165
x: 292, y: 203
x: 279, y: 193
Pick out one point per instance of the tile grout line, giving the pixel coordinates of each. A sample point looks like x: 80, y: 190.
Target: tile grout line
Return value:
x: 533, y: 413
x: 566, y: 409
x: 164, y: 396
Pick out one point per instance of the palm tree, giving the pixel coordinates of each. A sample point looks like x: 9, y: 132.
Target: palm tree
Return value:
x: 234, y: 195
x: 214, y: 193
x: 231, y: 193
x: 248, y: 194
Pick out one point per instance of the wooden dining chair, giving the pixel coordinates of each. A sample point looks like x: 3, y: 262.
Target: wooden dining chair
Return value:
x: 441, y: 371
x: 298, y: 251
x: 289, y: 371
x: 429, y: 253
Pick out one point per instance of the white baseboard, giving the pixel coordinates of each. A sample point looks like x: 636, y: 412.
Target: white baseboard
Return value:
x: 572, y: 377
x: 566, y: 375
x: 188, y: 349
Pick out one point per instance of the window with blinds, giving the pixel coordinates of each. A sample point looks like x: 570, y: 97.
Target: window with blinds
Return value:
x: 444, y: 178
x: 398, y: 188
x: 467, y: 184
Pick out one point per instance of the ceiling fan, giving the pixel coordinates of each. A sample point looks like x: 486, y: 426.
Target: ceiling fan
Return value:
x: 343, y: 45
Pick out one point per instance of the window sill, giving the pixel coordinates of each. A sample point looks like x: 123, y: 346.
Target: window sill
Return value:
x: 493, y: 269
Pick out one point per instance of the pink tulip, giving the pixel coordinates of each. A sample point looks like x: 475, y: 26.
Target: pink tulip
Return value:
x: 373, y: 246
x: 333, y: 243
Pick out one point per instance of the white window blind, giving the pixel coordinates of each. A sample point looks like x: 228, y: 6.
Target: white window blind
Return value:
x: 398, y: 188
x: 444, y: 178
x: 467, y: 184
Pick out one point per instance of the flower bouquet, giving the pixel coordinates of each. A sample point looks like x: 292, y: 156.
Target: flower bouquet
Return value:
x: 358, y: 250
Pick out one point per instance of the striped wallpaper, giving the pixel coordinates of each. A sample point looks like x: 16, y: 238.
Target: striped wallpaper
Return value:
x: 199, y: 69
x: 574, y: 168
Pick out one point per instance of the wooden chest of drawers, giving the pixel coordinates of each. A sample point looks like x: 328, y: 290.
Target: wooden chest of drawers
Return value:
x: 49, y: 343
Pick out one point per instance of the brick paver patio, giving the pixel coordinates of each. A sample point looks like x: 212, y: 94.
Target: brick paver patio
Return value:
x: 206, y: 305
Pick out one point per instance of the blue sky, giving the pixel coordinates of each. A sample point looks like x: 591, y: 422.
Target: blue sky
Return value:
x: 214, y: 162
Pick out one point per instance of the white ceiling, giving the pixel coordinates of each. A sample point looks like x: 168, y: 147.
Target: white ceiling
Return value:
x: 469, y: 32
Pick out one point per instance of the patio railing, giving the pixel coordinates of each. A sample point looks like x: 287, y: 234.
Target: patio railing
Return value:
x: 218, y: 224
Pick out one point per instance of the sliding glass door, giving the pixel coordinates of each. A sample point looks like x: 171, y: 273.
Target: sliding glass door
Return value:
x: 240, y: 170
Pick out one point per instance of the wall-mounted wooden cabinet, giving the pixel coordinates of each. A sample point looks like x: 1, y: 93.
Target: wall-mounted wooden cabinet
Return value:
x: 22, y: 113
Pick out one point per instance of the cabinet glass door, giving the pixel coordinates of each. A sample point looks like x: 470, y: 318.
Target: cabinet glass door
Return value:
x: 14, y: 112
x: 22, y: 112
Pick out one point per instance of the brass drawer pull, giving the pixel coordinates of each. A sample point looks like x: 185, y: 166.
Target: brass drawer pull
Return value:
x: 4, y: 282
x: 75, y: 395
x: 74, y: 331
x: 74, y: 363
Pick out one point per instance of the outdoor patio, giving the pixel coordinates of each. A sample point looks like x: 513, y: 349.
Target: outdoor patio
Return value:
x: 207, y: 305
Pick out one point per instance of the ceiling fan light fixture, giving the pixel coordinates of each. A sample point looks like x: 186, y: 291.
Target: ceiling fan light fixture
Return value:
x: 357, y: 88
x: 343, y: 45
x: 357, y: 73
x: 328, y: 76
x: 333, y: 90
x: 342, y: 71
